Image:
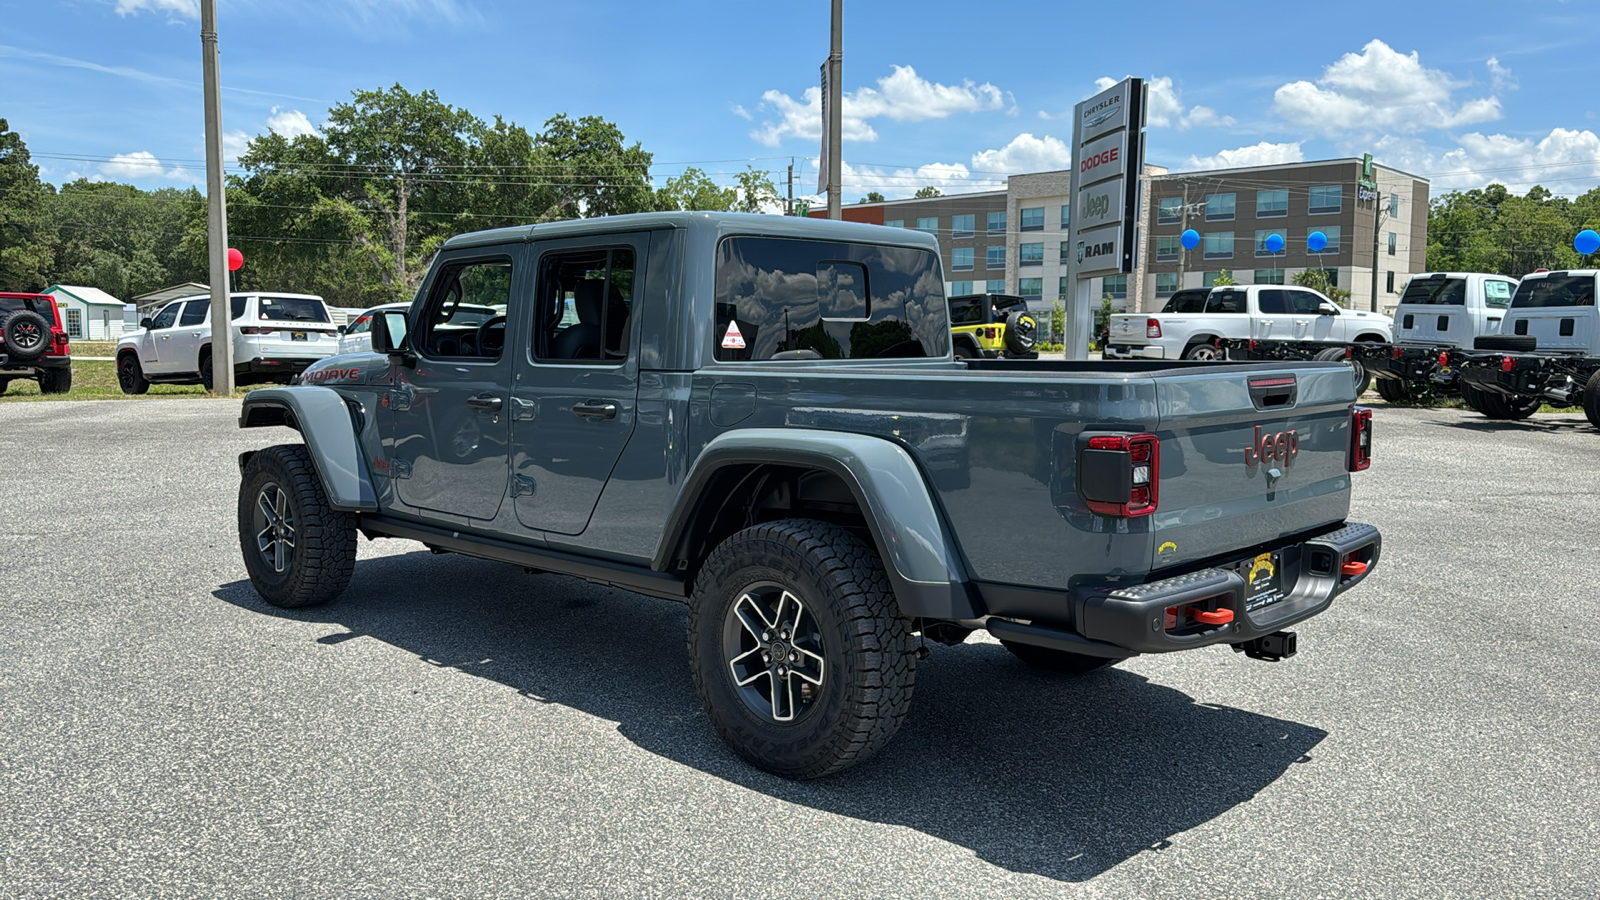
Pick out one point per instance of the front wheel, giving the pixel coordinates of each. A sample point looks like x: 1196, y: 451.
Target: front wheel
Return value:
x: 1061, y: 662
x: 800, y: 655
x: 130, y: 376
x: 205, y: 371
x: 1591, y: 400
x: 298, y: 550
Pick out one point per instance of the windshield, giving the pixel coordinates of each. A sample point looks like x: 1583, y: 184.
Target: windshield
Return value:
x: 1436, y: 291
x: 293, y: 309
x: 1555, y: 290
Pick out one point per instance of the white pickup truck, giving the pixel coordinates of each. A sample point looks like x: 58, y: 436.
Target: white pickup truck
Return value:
x: 1195, y: 321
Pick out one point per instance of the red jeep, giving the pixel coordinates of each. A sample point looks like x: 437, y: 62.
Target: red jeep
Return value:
x: 33, y: 343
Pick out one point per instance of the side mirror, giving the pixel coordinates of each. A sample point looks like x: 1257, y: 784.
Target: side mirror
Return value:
x: 342, y: 328
x: 146, y: 322
x: 1328, y: 311
x: 389, y: 334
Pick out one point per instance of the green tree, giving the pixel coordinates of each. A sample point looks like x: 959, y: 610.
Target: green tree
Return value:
x: 25, y: 256
x: 756, y: 191
x: 590, y: 170
x: 929, y: 192
x: 123, y: 240
x: 694, y: 190
x: 871, y: 197
x: 1321, y: 280
x: 1058, y: 320
x: 1223, y: 279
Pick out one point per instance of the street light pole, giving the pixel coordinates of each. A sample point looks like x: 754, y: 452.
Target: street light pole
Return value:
x: 221, y: 309
x: 835, y: 108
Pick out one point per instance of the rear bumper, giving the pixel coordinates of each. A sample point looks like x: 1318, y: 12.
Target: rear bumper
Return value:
x: 1134, y: 351
x: 1115, y: 622
x: 33, y: 367
x: 273, y: 366
x: 1556, y: 377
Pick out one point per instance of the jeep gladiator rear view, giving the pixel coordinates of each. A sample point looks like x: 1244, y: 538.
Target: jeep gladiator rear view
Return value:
x: 761, y: 417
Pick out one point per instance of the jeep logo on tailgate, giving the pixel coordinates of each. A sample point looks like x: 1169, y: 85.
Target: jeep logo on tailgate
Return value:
x: 1283, y: 446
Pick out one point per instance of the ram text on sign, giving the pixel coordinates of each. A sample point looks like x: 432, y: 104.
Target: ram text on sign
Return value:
x: 1099, y: 252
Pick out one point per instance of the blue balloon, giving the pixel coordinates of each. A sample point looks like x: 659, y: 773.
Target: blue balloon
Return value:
x: 1190, y: 239
x: 1586, y: 242
x: 1274, y: 243
x: 1315, y: 241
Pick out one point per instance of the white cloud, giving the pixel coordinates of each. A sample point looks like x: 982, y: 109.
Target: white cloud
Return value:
x: 1566, y: 161
x: 1165, y: 107
x: 234, y: 143
x: 1501, y: 75
x: 1025, y: 153
x: 896, y: 183
x: 291, y: 123
x: 903, y: 96
x: 187, y: 9
x: 1262, y: 154
x: 742, y: 113
x: 142, y: 165
x: 1381, y: 89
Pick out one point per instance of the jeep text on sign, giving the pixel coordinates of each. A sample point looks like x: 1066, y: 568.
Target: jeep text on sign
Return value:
x: 1099, y: 205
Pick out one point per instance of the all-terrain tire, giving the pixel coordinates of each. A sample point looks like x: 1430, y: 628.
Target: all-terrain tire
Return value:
x: 298, y: 550
x: 1202, y: 351
x: 1520, y: 407
x: 848, y: 618
x: 1591, y: 399
x: 26, y: 334
x: 1394, y: 390
x: 1357, y: 367
x: 1508, y: 343
x: 130, y: 375
x: 1061, y: 662
x: 55, y: 381
x: 1021, y: 332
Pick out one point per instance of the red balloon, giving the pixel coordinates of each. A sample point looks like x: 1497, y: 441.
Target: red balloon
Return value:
x: 235, y: 259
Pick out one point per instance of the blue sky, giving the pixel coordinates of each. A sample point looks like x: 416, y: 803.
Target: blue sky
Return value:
x: 952, y: 94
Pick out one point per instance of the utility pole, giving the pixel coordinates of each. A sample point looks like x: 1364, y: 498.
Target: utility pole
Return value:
x: 221, y: 308
x: 835, y: 108
x: 1377, y: 212
x: 788, y: 205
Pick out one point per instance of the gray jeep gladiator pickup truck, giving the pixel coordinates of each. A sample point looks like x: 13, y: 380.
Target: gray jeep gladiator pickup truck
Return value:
x: 761, y: 417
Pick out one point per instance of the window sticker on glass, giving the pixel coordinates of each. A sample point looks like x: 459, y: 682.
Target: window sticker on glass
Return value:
x: 732, y: 339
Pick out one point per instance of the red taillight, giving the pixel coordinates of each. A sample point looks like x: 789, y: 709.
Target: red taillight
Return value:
x: 1152, y: 328
x: 1254, y: 345
x: 1444, y: 359
x: 991, y: 333
x: 1124, y: 466
x: 1508, y: 363
x: 1349, y: 352
x: 1397, y: 352
x: 1360, y: 438
x: 63, y: 342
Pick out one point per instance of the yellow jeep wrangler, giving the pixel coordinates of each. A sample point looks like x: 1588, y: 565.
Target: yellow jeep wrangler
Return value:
x: 991, y: 326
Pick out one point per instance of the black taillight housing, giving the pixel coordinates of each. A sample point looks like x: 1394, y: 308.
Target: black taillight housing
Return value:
x: 1360, y: 438
x: 1120, y: 474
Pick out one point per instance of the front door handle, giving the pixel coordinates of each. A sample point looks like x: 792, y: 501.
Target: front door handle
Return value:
x: 486, y: 401
x: 596, y: 409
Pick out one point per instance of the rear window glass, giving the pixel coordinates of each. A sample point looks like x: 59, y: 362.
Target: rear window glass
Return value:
x: 1186, y: 302
x: 1555, y: 290
x: 1497, y: 293
x: 1436, y: 291
x: 782, y: 298
x: 292, y: 309
x: 12, y: 304
x: 966, y: 310
x: 1227, y: 302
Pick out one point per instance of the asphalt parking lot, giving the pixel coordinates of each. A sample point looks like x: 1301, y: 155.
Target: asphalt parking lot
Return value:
x: 452, y: 727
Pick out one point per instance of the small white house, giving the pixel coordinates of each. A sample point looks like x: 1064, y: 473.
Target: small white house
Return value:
x: 88, y: 313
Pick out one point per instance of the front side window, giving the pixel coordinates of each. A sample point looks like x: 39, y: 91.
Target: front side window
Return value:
x: 780, y: 298
x: 467, y: 301
x: 1033, y: 218
x: 361, y: 325
x: 1219, y: 245
x: 961, y: 226
x: 1166, y: 283
x: 1169, y: 210
x: 1220, y: 207
x: 930, y: 224
x: 584, y: 306
x: 1167, y: 248
x: 1270, y: 204
x: 1030, y: 255
x: 995, y: 257
x: 997, y: 223
x: 1326, y: 198
x: 1030, y: 288
x: 166, y: 317
x: 194, y: 312
x: 961, y: 259
x: 1305, y: 303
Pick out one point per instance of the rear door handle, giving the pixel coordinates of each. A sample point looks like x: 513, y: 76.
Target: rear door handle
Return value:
x: 486, y: 401
x: 596, y: 409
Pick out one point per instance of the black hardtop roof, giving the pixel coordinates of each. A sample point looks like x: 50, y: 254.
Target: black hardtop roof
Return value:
x: 722, y: 223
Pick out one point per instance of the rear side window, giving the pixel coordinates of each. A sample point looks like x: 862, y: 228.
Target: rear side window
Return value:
x: 781, y: 298
x: 1273, y: 302
x: 1497, y: 294
x: 194, y: 312
x: 1227, y: 302
x: 292, y: 309
x: 1437, y: 291
x: 1555, y: 290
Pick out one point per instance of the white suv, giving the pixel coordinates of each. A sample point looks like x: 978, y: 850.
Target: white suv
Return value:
x: 275, y: 337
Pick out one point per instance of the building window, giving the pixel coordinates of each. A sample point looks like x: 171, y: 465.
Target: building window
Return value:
x: 961, y: 259
x: 1033, y: 218
x: 994, y: 286
x: 995, y: 258
x: 1169, y: 210
x: 1030, y: 288
x: 959, y: 288
x: 1209, y: 279
x: 1394, y: 205
x: 1333, y: 277
x: 1061, y: 288
x: 1166, y: 283
x: 1219, y: 245
x: 930, y: 224
x: 997, y: 223
x: 74, y: 322
x: 1066, y: 216
x: 1269, y: 276
x: 1270, y: 204
x: 1066, y: 251
x: 1391, y: 243
x: 1030, y: 255
x: 1261, y: 243
x: 1391, y: 283
x: 961, y: 226
x: 894, y: 223
x: 1326, y: 199
x: 1220, y: 207
x: 1167, y: 248
x: 1116, y: 286
x: 1333, y: 240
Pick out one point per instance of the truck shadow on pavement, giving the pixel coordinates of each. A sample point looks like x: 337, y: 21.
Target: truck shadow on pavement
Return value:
x: 1546, y: 423
x: 1059, y: 777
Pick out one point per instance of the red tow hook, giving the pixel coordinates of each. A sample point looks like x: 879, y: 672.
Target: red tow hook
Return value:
x: 1353, y: 567
x: 1212, y: 617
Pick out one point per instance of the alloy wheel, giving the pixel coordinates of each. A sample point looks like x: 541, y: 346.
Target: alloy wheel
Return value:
x: 774, y: 652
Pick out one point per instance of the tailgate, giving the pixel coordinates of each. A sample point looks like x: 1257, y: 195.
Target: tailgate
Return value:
x: 1127, y: 329
x: 1217, y: 495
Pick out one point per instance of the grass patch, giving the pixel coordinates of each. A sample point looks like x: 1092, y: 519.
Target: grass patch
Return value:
x: 94, y: 348
x: 93, y: 380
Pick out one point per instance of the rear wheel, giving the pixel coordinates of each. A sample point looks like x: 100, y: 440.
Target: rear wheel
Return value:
x: 1591, y: 399
x: 5, y: 384
x: 1357, y: 367
x: 962, y: 352
x: 1204, y: 352
x: 1062, y: 662
x: 205, y: 369
x: 55, y: 381
x: 130, y: 376
x: 298, y: 549
x: 1394, y: 390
